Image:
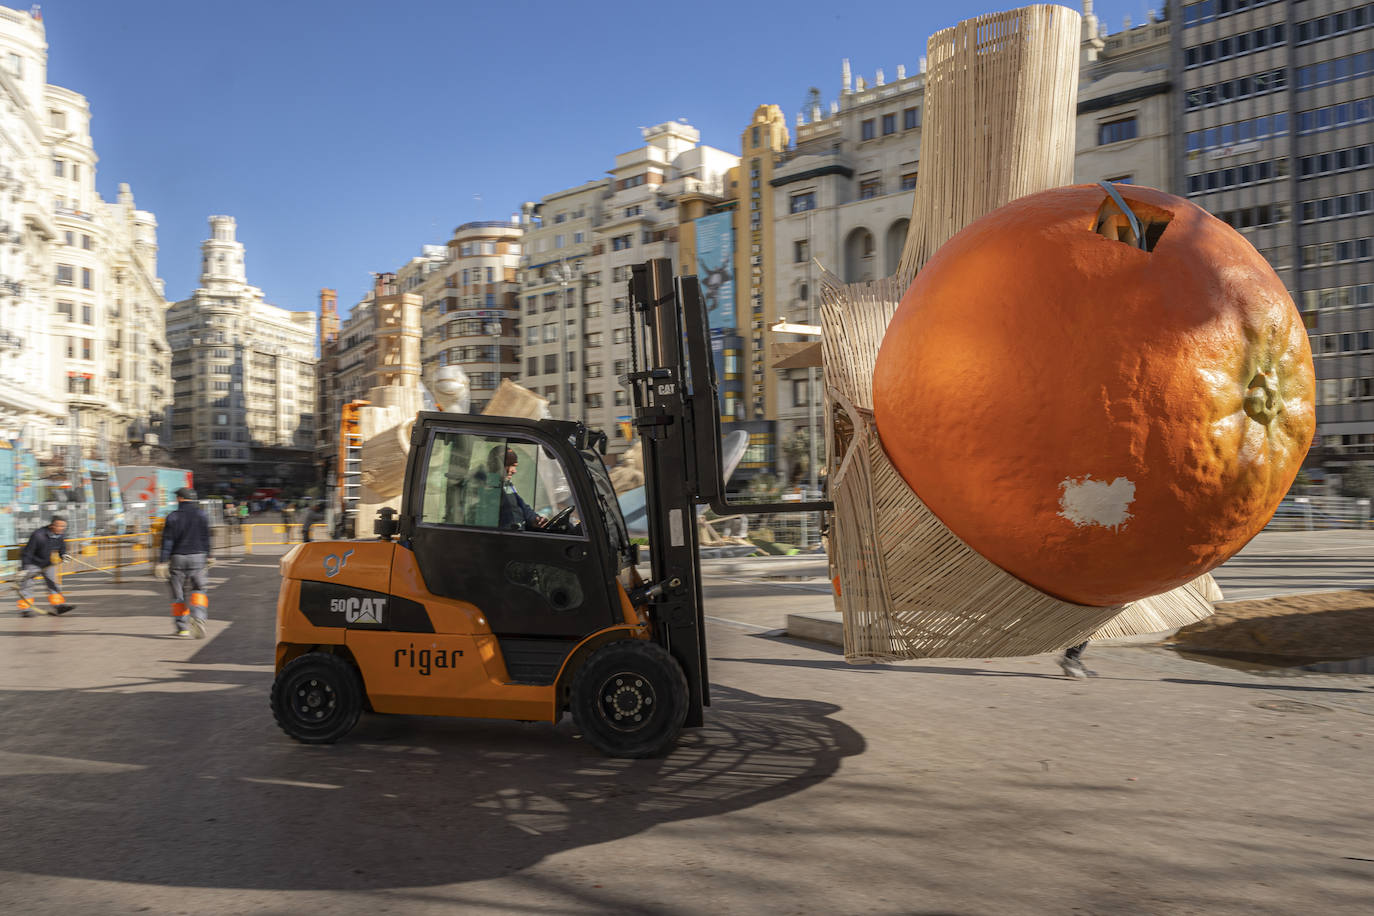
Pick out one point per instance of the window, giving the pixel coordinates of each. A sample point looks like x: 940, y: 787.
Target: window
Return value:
x: 593, y: 339
x: 558, y: 241
x: 593, y: 400
x: 532, y: 366
x: 593, y: 370
x: 804, y: 201
x: 531, y: 305
x: 57, y: 119
x: 65, y: 309
x: 465, y: 475
x: 86, y: 348
x: 801, y: 251
x: 621, y: 242
x: 532, y: 334
x: 911, y: 117
x: 69, y: 238
x: 58, y: 168
x: 65, y: 275
x: 869, y: 188
x: 86, y: 242
x: 889, y: 124
x: 908, y: 181
x: 636, y: 210
x: 86, y: 278
x: 866, y: 129
x: 87, y: 314
x: 1117, y: 131
x: 550, y: 363
x: 550, y: 333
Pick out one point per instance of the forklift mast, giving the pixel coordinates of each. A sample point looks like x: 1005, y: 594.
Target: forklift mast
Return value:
x: 677, y: 414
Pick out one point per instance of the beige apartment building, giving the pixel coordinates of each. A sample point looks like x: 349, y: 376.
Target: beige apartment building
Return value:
x: 581, y: 244
x: 244, y: 378
x: 1125, y: 104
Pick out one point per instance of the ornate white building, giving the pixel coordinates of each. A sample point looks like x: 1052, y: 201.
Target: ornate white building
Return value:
x: 244, y: 376
x: 83, y: 355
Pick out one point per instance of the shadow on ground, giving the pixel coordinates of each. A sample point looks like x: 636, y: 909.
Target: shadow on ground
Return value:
x: 201, y: 789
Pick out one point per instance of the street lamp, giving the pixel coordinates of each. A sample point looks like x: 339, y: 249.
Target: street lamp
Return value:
x: 493, y: 327
x: 564, y: 277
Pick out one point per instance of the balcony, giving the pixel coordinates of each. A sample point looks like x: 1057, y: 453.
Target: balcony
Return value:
x: 69, y: 212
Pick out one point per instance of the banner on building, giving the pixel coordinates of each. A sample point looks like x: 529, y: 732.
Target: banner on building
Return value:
x: 716, y: 268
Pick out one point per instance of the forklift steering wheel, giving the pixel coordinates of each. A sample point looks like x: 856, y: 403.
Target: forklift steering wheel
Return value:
x: 560, y: 518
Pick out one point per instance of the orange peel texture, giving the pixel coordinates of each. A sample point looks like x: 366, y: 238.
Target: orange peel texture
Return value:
x: 1102, y: 421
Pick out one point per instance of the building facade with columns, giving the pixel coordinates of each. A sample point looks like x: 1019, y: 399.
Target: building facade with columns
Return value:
x: 244, y: 378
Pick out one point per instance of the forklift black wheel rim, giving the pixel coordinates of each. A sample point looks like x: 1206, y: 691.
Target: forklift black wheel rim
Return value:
x: 312, y: 700
x: 627, y: 701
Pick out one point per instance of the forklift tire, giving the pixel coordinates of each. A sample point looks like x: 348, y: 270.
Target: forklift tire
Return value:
x: 630, y: 699
x: 317, y: 698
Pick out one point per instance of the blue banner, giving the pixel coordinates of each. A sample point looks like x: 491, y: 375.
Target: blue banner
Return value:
x: 716, y: 268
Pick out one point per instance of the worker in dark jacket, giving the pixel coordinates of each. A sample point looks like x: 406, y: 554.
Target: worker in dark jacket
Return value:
x: 184, y: 562
x: 46, y: 548
x: 516, y: 514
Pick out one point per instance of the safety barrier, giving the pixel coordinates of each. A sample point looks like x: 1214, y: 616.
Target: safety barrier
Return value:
x: 124, y: 555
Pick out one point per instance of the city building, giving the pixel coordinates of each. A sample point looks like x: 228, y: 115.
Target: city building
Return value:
x: 379, y: 342
x: 244, y: 378
x: 842, y: 199
x: 581, y: 245
x: 471, y: 317
x: 1125, y: 104
x: 563, y: 291
x: 84, y: 363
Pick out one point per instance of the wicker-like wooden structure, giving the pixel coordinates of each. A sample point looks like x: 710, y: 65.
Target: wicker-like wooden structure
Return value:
x: 1000, y: 100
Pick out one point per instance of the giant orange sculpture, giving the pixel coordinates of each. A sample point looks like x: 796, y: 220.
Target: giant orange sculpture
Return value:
x: 1103, y: 419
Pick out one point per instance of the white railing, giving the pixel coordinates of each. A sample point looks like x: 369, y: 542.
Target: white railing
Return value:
x: 1311, y: 513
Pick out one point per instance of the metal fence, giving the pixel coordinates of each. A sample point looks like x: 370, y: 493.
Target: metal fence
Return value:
x: 1312, y: 513
x: 127, y: 555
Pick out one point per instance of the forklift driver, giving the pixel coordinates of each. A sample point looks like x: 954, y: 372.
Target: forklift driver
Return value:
x: 516, y: 514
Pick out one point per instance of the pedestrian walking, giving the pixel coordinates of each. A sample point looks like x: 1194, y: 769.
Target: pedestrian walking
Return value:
x: 184, y: 562
x: 1071, y: 662
x: 46, y: 548
x: 310, y: 515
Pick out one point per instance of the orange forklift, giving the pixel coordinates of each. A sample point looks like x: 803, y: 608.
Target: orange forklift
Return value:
x: 507, y: 586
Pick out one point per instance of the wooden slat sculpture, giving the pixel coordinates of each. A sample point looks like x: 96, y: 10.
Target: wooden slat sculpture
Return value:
x: 1000, y: 101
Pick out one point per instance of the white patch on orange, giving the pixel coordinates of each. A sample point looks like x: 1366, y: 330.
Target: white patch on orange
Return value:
x: 1096, y: 502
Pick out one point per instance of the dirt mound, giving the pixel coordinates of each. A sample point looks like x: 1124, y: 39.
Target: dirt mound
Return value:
x: 1319, y: 626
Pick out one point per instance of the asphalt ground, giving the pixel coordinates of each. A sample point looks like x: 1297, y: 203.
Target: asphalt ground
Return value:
x: 145, y: 774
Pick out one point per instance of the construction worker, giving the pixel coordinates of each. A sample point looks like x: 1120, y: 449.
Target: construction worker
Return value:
x: 311, y: 515
x: 184, y: 561
x: 46, y: 548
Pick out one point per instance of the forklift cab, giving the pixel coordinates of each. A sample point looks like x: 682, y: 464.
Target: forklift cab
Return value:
x: 515, y: 518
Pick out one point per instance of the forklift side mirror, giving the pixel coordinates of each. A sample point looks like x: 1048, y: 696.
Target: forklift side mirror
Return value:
x: 634, y: 554
x: 386, y: 526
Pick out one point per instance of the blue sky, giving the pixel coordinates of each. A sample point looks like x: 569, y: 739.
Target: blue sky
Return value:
x: 344, y: 135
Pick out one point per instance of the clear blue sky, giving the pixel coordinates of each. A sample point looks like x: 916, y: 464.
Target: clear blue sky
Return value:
x: 344, y: 135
